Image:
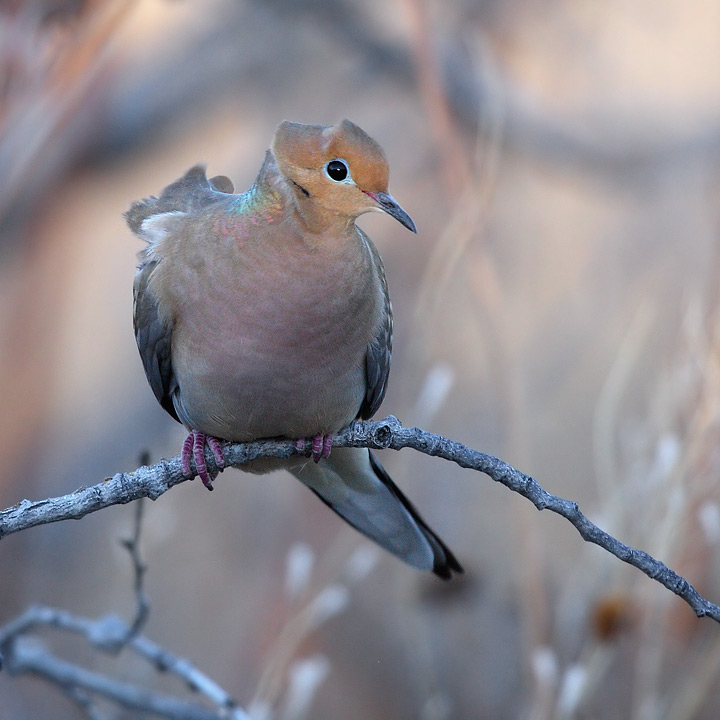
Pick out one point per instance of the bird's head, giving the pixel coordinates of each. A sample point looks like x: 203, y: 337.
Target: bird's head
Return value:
x: 339, y: 170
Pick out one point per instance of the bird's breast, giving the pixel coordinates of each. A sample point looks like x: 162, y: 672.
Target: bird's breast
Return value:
x: 273, y: 340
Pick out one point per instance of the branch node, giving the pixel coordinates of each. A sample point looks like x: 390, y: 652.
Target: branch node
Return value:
x: 382, y: 436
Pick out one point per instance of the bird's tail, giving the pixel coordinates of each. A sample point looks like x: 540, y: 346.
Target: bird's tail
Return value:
x: 354, y: 484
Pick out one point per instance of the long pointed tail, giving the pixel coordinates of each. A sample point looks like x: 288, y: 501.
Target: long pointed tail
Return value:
x: 354, y: 484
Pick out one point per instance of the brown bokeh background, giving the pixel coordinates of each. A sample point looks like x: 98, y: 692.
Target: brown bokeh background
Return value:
x: 558, y: 308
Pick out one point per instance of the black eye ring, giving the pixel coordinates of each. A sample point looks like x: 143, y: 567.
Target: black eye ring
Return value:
x: 337, y: 170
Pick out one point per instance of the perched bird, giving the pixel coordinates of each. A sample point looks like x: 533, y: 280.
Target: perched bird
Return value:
x: 266, y: 314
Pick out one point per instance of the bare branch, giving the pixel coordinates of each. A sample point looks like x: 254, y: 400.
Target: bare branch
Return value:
x: 23, y: 655
x: 132, y: 545
x: 27, y: 657
x: 155, y: 480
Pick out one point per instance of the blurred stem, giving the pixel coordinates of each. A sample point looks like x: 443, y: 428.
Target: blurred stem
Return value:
x: 453, y: 157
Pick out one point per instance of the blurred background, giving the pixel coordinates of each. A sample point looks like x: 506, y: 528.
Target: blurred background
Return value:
x: 559, y: 308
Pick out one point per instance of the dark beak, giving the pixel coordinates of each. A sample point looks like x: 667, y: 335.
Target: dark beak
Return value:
x: 390, y: 206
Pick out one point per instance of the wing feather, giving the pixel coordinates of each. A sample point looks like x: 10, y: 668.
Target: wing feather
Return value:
x: 151, y: 219
x: 379, y: 351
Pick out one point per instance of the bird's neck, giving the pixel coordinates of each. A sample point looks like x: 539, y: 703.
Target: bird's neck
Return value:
x: 319, y: 222
x: 316, y: 220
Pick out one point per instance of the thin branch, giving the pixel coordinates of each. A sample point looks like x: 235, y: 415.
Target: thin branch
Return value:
x: 132, y: 545
x: 21, y: 655
x: 157, y: 479
x: 28, y: 658
x: 24, y: 652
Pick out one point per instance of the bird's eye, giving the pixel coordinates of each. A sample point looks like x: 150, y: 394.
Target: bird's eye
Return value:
x: 337, y: 170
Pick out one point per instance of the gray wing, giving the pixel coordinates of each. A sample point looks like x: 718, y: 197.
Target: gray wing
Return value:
x: 379, y: 351
x: 154, y: 340
x: 153, y: 332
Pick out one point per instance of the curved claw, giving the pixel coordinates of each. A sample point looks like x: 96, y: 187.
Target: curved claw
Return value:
x: 194, y: 449
x: 321, y: 447
x: 214, y: 444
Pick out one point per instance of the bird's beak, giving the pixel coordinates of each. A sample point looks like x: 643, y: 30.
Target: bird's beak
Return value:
x: 388, y: 204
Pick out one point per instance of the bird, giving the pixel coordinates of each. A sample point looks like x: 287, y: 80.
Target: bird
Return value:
x: 266, y: 314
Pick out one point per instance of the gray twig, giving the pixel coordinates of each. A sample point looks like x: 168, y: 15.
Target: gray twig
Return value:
x: 21, y: 654
x: 152, y: 481
x: 132, y: 545
x: 27, y: 657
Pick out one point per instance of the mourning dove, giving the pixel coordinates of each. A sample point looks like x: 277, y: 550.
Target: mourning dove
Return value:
x: 266, y: 314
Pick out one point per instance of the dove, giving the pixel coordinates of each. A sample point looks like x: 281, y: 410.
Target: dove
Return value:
x: 266, y: 314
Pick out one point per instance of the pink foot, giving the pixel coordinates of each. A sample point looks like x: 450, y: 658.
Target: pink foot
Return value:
x: 194, y: 449
x: 321, y: 446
